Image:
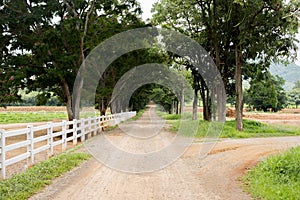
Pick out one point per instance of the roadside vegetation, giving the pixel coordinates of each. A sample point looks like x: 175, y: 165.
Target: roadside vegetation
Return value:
x: 22, y: 186
x: 251, y: 128
x: 138, y: 115
x: 276, y: 178
x: 23, y: 117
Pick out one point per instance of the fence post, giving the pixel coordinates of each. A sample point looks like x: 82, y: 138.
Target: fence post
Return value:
x: 99, y: 125
x: 2, y: 158
x: 74, y: 132
x: 50, y: 139
x: 64, y: 136
x: 82, y: 130
x: 30, y: 147
x: 90, y: 126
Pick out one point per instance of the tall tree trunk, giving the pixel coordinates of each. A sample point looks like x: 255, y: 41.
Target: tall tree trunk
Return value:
x: 102, y: 108
x: 182, y: 91
x: 68, y: 96
x: 78, y: 88
x: 221, y: 104
x: 195, y: 104
x: 213, y: 104
x: 181, y: 103
x: 239, y: 89
x: 172, y: 107
x: 221, y: 97
x: 205, y: 101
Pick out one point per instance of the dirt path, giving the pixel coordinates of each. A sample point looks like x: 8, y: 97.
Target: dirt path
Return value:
x: 190, y: 177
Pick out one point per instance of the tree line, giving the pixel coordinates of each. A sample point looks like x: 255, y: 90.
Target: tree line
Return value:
x: 43, y: 44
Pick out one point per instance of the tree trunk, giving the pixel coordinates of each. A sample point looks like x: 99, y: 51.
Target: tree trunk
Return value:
x: 205, y: 101
x: 195, y: 105
x: 182, y: 92
x: 221, y: 97
x: 102, y: 108
x: 172, y: 107
x: 78, y: 88
x: 221, y: 104
x: 181, y: 102
x: 213, y: 104
x: 239, y: 89
x: 67, y: 94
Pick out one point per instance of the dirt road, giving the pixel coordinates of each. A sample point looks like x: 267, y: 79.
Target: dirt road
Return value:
x: 214, y: 177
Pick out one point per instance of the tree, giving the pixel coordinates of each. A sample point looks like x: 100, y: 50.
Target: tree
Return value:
x: 294, y: 95
x: 189, y: 17
x: 266, y: 93
x: 297, y: 85
x: 117, y: 69
x: 50, y: 39
x: 235, y: 33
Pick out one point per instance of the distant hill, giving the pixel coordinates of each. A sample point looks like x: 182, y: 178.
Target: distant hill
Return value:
x: 290, y: 73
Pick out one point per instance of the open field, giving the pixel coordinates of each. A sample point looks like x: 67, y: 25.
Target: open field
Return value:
x: 31, y: 114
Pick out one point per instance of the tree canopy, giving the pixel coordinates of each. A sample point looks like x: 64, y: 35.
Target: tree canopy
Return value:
x: 45, y: 42
x: 266, y: 93
x: 235, y: 33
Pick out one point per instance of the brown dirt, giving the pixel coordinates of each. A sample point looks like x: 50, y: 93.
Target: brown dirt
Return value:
x: 284, y: 118
x: 215, y: 176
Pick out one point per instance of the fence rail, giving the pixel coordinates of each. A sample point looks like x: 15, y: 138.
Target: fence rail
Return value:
x: 68, y: 131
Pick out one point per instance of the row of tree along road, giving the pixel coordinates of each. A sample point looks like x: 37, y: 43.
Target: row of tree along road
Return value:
x: 44, y: 43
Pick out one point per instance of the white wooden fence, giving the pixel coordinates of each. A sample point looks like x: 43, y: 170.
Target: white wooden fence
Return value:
x: 79, y: 129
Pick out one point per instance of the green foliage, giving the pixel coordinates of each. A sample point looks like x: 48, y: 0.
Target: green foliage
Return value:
x: 235, y: 32
x: 294, y: 95
x: 20, y: 117
x: 266, y: 93
x: 138, y: 115
x: 297, y: 85
x: 22, y: 186
x: 172, y: 116
x: 152, y: 92
x: 277, y: 177
x: 44, y: 44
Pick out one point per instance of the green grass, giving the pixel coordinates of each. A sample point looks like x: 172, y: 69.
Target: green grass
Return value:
x: 251, y: 128
x: 23, y: 117
x: 137, y: 116
x: 186, y: 115
x: 22, y: 186
x: 276, y: 178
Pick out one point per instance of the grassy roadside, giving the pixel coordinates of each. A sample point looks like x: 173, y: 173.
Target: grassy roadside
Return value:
x: 251, y: 128
x: 276, y: 178
x: 22, y: 186
x: 23, y: 117
x: 137, y: 116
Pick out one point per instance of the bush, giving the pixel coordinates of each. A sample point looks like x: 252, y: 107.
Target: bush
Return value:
x: 277, y: 177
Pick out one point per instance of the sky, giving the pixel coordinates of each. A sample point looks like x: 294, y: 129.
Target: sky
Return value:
x: 147, y: 5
